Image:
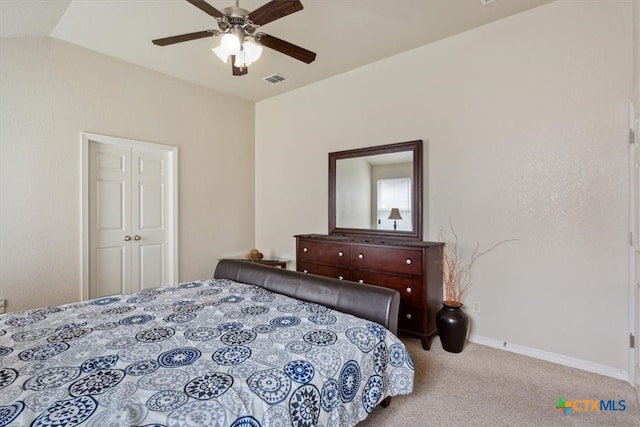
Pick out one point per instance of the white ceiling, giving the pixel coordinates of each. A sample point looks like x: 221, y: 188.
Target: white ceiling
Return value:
x: 345, y: 34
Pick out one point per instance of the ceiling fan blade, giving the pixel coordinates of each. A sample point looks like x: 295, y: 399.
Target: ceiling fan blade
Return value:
x: 273, y: 10
x: 184, y: 37
x: 287, y: 48
x: 206, y: 8
x: 237, y: 71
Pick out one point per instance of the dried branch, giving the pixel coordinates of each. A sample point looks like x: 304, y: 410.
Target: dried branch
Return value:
x: 456, y: 274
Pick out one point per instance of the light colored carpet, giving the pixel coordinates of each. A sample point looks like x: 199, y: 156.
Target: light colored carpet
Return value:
x: 483, y: 386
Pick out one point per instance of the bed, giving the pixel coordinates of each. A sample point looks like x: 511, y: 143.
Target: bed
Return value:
x: 253, y: 346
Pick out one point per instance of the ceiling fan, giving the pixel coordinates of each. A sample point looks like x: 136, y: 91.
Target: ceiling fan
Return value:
x: 238, y: 26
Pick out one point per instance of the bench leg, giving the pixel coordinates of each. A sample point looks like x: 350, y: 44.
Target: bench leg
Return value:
x: 386, y: 402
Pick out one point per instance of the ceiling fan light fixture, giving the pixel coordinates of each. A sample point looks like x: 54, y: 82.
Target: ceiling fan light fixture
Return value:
x: 230, y: 43
x: 221, y: 53
x: 252, y: 51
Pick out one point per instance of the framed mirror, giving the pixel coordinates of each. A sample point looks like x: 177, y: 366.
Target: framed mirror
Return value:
x: 377, y: 191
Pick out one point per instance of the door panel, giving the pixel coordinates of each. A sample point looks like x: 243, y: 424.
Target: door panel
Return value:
x: 151, y: 202
x: 151, y: 265
x: 109, y: 210
x: 149, y: 210
x: 109, y: 161
x: 151, y: 166
x: 111, y: 276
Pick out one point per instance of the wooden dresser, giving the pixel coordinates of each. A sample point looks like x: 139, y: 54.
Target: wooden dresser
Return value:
x: 408, y: 266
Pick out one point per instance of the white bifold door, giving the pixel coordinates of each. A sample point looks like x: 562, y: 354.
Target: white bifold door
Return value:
x: 131, y: 218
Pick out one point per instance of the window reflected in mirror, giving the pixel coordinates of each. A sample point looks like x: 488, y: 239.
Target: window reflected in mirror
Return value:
x: 394, y: 203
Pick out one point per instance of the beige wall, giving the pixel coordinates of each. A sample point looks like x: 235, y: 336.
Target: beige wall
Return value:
x: 51, y: 91
x: 525, y: 125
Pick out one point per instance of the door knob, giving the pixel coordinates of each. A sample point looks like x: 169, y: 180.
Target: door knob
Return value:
x: 136, y: 237
x: 127, y: 238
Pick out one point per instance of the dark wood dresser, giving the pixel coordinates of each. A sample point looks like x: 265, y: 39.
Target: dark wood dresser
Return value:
x: 408, y: 266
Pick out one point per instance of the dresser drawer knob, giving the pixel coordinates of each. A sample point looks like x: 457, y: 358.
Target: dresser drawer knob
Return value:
x: 408, y: 316
x: 340, y: 253
x: 408, y: 261
x: 360, y: 281
x: 409, y: 290
x: 305, y: 271
x: 361, y: 256
x: 305, y: 250
x: 340, y: 277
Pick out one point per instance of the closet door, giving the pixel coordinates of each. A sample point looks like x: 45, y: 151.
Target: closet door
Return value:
x: 109, y: 219
x: 131, y: 218
x: 150, y: 208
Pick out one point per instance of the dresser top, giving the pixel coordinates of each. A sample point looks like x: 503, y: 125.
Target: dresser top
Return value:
x: 369, y: 240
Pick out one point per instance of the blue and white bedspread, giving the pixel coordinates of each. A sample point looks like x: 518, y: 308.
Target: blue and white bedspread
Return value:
x: 205, y: 353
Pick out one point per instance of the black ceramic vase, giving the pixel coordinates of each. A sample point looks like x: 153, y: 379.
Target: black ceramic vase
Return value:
x: 453, y: 325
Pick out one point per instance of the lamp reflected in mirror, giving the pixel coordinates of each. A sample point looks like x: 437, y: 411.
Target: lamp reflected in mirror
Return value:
x: 395, y: 215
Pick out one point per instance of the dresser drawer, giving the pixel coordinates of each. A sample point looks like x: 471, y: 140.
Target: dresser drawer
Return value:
x: 410, y: 288
x: 410, y: 319
x: 405, y: 261
x: 324, y: 270
x: 324, y: 252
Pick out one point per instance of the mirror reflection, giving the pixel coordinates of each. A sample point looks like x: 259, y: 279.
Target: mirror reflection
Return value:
x: 377, y: 191
x: 374, y: 192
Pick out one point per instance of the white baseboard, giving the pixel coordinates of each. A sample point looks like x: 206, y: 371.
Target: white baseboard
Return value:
x: 560, y: 359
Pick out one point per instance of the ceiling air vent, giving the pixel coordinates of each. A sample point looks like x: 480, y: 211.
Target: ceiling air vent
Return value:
x: 275, y: 78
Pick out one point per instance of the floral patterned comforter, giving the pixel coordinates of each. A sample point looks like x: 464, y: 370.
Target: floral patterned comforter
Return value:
x: 206, y: 353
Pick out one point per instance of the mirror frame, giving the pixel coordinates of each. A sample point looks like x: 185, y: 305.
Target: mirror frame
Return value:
x: 416, y: 192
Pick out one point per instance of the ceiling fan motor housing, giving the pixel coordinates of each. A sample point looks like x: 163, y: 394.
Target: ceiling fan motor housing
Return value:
x: 236, y: 17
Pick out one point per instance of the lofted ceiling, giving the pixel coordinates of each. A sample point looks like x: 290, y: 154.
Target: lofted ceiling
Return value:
x: 345, y: 34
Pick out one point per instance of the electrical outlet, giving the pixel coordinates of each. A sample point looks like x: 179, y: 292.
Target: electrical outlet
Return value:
x: 476, y: 307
